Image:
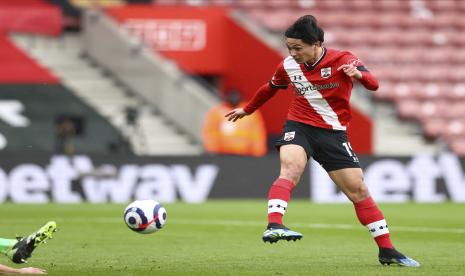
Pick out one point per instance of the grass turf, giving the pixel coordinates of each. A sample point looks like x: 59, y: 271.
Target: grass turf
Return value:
x: 224, y: 238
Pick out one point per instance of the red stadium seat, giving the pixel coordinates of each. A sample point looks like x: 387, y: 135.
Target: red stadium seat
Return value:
x: 275, y: 23
x: 390, y: 19
x: 445, y: 20
x: 456, y: 109
x: 408, y: 108
x: 280, y: 4
x: 383, y: 92
x: 437, y: 55
x: 460, y: 6
x: 430, y: 91
x: 434, y: 127
x: 332, y: 5
x: 248, y: 3
x: 454, y: 39
x: 360, y: 5
x: 403, y: 90
x: 418, y: 23
x: 456, y: 74
x: 423, y: 110
x: 432, y: 109
x: 456, y: 92
x: 416, y: 37
x: 335, y: 19
x: 395, y: 5
x: 408, y: 54
x: 417, y: 56
x: 458, y: 145
x: 442, y: 5
x: 280, y: 20
x: 455, y: 129
x: 406, y: 73
x: 389, y: 91
x: 306, y: 4
x: 457, y: 56
x: 222, y: 2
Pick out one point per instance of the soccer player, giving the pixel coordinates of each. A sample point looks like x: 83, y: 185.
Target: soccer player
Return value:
x: 20, y: 249
x: 316, y: 127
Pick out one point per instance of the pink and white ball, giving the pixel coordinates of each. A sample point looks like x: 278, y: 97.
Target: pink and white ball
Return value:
x: 145, y: 216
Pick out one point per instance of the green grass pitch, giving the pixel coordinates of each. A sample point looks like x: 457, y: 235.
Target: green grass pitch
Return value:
x: 224, y: 238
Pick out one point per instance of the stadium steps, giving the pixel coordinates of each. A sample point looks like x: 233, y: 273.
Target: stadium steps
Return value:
x: 152, y: 135
x: 393, y: 136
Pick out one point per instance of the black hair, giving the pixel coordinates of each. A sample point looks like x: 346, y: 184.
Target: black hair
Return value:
x: 307, y: 29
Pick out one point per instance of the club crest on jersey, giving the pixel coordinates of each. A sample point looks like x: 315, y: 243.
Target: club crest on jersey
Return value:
x: 288, y: 136
x: 325, y: 72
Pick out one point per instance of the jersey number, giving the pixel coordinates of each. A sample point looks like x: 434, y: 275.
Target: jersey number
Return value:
x: 348, y: 148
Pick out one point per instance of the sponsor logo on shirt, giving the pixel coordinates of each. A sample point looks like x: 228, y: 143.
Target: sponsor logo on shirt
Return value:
x: 300, y: 89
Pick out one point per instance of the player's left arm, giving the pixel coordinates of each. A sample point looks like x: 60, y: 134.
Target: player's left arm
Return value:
x: 354, y: 68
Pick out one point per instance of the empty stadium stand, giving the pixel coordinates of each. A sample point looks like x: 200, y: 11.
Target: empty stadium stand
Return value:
x: 414, y: 47
x: 33, y: 102
x: 147, y: 132
x: 44, y: 81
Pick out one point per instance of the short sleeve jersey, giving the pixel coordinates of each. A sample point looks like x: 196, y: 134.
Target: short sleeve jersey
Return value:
x: 321, y: 93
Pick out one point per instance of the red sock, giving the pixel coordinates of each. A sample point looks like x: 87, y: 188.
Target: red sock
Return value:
x: 369, y: 215
x: 278, y: 197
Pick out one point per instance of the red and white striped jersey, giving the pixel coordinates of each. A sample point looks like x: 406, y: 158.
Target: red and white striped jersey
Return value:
x: 321, y: 92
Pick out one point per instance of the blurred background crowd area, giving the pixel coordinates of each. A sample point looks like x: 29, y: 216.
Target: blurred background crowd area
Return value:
x: 140, y: 77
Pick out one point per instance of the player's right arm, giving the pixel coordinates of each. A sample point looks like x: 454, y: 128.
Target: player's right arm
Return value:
x: 280, y: 80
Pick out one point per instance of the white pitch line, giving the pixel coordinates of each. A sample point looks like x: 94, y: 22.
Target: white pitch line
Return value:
x: 249, y: 224
x: 321, y: 226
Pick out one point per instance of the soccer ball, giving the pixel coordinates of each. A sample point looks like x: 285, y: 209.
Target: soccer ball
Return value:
x: 145, y: 216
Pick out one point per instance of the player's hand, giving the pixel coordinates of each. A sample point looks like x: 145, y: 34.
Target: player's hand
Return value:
x: 32, y: 270
x: 350, y: 70
x: 236, y: 114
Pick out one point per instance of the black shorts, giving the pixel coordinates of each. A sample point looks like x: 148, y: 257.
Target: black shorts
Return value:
x: 329, y: 147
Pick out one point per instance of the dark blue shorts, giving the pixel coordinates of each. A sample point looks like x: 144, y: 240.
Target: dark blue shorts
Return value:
x: 329, y: 147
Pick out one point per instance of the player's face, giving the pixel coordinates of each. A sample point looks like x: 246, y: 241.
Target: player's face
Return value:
x: 301, y: 51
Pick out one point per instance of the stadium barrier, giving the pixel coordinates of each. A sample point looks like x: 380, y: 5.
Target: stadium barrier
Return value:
x: 30, y: 115
x: 101, y: 179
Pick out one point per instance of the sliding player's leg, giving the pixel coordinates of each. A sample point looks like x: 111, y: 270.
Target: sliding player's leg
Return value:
x: 20, y: 250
